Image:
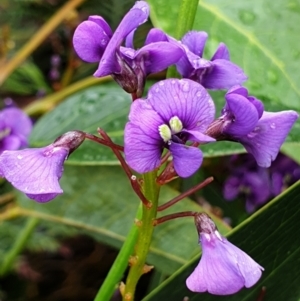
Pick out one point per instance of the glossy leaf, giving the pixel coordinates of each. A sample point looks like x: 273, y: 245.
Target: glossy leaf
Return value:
x: 100, y: 202
x: 104, y: 106
x: 270, y: 236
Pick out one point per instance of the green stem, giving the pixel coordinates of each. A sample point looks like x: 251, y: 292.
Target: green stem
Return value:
x: 41, y: 106
x: 138, y: 260
x: 186, y: 17
x: 120, y: 264
x: 37, y: 39
x: 18, y: 246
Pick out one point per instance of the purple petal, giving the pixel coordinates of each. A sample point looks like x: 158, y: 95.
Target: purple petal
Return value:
x: 135, y: 17
x: 156, y: 35
x: 266, y: 139
x: 17, y: 121
x: 90, y: 41
x: 244, y: 92
x: 237, y: 89
x: 128, y: 53
x: 35, y: 172
x: 186, y: 159
x: 10, y: 142
x: 142, y: 115
x: 184, y: 98
x: 250, y: 270
x: 231, y: 188
x: 158, y: 56
x: 197, y: 136
x: 102, y: 23
x: 258, y: 184
x: 142, y: 152
x: 223, y: 75
x: 195, y: 41
x: 223, y: 269
x: 184, y: 65
x: 240, y: 114
x: 277, y: 182
x: 221, y: 53
x: 258, y: 105
x: 129, y: 39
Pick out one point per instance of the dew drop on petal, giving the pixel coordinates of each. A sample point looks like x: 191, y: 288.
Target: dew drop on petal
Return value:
x: 272, y: 125
x: 20, y: 157
x: 185, y: 87
x: 199, y: 94
x: 161, y: 83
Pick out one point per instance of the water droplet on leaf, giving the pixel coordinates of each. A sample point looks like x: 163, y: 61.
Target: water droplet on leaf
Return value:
x: 247, y: 17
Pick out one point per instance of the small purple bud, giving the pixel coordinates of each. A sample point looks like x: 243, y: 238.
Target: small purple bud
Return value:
x: 70, y: 140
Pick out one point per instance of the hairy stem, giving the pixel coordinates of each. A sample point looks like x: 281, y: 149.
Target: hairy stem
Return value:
x: 169, y: 217
x: 120, y: 264
x: 151, y: 192
x: 185, y: 194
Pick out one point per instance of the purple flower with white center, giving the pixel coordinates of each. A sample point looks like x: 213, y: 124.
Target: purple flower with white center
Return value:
x: 223, y: 269
x: 218, y: 73
x: 129, y: 67
x: 15, y: 127
x: 244, y: 120
x: 175, y: 111
x: 37, y: 171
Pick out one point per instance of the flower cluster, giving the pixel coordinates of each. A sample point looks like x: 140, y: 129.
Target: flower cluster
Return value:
x: 172, y: 121
x: 94, y: 42
x: 258, y: 185
x: 149, y: 131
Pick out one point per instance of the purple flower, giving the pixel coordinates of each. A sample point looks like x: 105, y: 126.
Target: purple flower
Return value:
x: 223, y: 269
x: 269, y: 134
x: 283, y: 173
x: 15, y: 127
x: 250, y: 181
x: 94, y: 42
x: 37, y: 171
x: 175, y: 111
x: 218, y: 73
x: 244, y: 120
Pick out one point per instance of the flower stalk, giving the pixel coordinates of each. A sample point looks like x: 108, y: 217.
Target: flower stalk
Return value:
x: 151, y: 192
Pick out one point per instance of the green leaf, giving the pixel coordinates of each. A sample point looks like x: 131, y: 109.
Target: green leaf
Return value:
x: 104, y: 106
x: 27, y: 80
x: 100, y: 202
x: 270, y: 236
x: 257, y: 42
